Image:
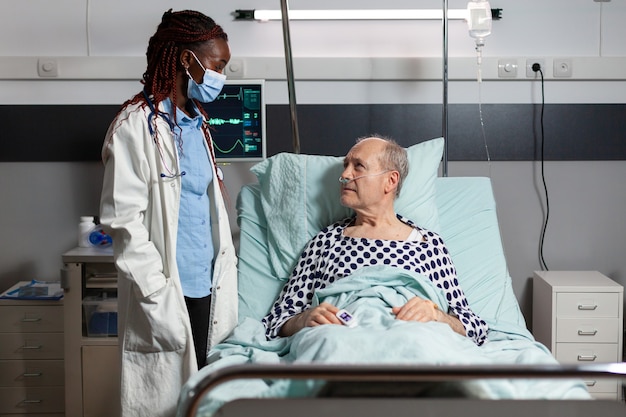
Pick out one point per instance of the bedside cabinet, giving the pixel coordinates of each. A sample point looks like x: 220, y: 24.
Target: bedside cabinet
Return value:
x: 92, y: 368
x: 31, y: 358
x: 578, y: 315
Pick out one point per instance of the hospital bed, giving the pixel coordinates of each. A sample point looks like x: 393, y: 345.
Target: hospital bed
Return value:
x: 295, y: 197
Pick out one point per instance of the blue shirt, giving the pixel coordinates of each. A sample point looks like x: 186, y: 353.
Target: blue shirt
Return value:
x: 194, y: 243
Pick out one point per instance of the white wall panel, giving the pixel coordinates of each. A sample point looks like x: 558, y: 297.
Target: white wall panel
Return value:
x: 67, y: 92
x: 612, y: 35
x: 41, y: 27
x: 546, y: 28
x: 121, y: 28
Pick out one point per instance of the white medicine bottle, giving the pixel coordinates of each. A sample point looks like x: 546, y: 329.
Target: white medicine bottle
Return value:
x: 85, y: 227
x: 91, y: 234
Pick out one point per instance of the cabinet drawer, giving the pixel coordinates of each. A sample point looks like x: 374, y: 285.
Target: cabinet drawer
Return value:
x: 32, y: 400
x: 586, y: 352
x: 612, y: 396
x: 603, y: 330
x: 31, y: 319
x: 31, y: 345
x: 601, y: 385
x: 571, y: 304
x: 39, y: 373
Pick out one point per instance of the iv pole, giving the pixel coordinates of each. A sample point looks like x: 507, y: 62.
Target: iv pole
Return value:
x: 444, y: 128
x: 284, y: 7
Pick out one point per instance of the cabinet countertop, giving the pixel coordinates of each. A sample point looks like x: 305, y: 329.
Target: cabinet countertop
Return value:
x: 568, y: 281
x: 79, y: 254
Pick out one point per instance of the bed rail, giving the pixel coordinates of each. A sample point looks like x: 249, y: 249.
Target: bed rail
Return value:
x: 392, y: 373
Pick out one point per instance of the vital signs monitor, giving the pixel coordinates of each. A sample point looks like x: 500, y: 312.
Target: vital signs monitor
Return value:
x: 237, y: 121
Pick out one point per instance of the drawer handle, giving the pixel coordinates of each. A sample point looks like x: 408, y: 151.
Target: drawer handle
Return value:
x: 590, y: 383
x: 28, y: 347
x: 587, y: 358
x: 33, y: 320
x: 32, y: 374
x: 584, y: 333
x: 587, y: 306
x: 32, y: 402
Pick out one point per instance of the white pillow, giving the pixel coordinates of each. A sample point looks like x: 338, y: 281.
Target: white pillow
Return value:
x: 417, y: 197
x: 300, y: 196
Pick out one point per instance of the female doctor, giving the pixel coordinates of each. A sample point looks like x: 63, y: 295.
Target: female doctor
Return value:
x: 162, y: 204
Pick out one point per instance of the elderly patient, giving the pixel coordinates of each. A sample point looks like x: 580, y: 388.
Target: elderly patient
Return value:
x: 371, y: 180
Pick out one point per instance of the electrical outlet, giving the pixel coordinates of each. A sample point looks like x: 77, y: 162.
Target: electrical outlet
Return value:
x: 562, y: 68
x: 529, y: 67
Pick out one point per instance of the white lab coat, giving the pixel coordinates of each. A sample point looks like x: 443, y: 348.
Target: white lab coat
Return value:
x: 139, y: 208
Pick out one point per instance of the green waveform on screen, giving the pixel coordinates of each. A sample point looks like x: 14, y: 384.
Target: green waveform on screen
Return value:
x: 216, y: 121
x: 238, y: 96
x: 246, y: 148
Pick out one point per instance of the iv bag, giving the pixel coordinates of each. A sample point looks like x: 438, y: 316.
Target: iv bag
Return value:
x: 479, y: 18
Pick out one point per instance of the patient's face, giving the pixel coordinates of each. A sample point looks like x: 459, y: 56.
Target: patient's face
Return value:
x: 362, y: 165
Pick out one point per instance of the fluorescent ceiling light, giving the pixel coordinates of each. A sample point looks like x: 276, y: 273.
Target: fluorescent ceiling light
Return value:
x: 372, y: 14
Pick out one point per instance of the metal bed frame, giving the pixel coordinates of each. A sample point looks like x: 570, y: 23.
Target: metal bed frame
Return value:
x: 411, y: 373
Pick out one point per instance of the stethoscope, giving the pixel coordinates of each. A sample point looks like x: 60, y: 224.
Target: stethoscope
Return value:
x: 154, y: 113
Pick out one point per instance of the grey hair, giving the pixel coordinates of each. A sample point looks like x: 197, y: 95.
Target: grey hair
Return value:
x: 394, y: 158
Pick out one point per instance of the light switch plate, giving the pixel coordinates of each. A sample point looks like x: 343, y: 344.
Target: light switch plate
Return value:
x: 47, y: 67
x: 507, y: 68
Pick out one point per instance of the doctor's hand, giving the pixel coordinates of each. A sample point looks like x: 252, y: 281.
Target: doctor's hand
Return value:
x: 418, y: 309
x: 321, y: 314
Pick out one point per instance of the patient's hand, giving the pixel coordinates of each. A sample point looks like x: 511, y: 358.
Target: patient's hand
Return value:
x: 417, y: 309
x: 322, y: 314
x: 422, y: 310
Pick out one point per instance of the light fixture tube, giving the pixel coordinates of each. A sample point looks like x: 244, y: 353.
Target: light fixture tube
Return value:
x: 378, y: 14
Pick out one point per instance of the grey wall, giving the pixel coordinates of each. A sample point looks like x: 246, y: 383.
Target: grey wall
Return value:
x: 99, y: 48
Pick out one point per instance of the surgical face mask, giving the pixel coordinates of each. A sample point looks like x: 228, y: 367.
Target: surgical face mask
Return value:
x: 345, y: 181
x: 212, y: 84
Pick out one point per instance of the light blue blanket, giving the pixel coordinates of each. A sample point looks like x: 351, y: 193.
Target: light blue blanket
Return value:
x: 379, y: 339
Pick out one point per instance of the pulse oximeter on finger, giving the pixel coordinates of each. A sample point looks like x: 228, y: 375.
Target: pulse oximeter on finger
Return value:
x: 346, y: 318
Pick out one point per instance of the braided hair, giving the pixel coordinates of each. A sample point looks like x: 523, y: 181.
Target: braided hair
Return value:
x: 177, y: 31
x: 186, y: 29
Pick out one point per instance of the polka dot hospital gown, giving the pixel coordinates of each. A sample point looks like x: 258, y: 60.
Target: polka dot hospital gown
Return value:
x: 330, y: 256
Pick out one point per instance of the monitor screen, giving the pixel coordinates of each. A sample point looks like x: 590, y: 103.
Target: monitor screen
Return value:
x: 237, y: 121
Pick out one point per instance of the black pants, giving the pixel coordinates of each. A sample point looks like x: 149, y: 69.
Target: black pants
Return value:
x: 198, y: 309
